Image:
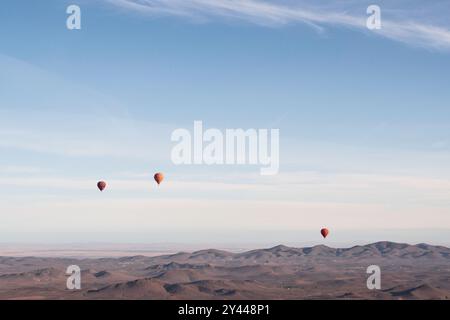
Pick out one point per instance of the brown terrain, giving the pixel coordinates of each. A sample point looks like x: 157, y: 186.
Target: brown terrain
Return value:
x: 407, y: 272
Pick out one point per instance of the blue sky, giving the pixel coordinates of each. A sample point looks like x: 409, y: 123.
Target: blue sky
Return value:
x: 363, y: 117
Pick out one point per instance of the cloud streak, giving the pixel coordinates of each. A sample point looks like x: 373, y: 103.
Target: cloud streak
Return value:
x: 401, y: 191
x: 398, y: 24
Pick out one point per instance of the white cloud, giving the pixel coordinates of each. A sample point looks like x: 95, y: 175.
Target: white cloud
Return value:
x: 70, y: 134
x: 397, y: 24
x: 138, y: 215
x: 15, y: 169
x: 403, y: 192
x: 301, y: 200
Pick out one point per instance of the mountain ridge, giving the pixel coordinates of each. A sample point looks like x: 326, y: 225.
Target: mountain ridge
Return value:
x: 419, y: 271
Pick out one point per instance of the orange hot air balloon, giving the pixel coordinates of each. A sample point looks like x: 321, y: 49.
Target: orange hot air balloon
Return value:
x: 324, y: 232
x: 159, y: 177
x: 101, y: 185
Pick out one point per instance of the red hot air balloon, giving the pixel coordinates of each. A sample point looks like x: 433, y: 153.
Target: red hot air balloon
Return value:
x: 159, y: 177
x: 101, y: 185
x: 324, y: 232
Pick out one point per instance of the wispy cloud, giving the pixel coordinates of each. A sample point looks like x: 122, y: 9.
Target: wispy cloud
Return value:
x: 88, y: 137
x: 400, y: 24
x: 345, y: 188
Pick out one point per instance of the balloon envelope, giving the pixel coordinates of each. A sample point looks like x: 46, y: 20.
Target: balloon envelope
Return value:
x: 324, y: 232
x: 101, y: 185
x: 159, y: 177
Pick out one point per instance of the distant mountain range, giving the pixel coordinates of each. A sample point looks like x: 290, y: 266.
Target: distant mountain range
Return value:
x: 383, y: 251
x: 407, y: 271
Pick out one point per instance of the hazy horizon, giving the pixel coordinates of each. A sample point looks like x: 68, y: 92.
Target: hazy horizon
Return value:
x: 230, y: 238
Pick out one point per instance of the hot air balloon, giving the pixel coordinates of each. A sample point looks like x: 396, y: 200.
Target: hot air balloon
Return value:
x: 159, y: 177
x: 324, y: 232
x: 101, y: 185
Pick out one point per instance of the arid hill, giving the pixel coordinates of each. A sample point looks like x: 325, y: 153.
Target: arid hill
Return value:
x: 407, y: 272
